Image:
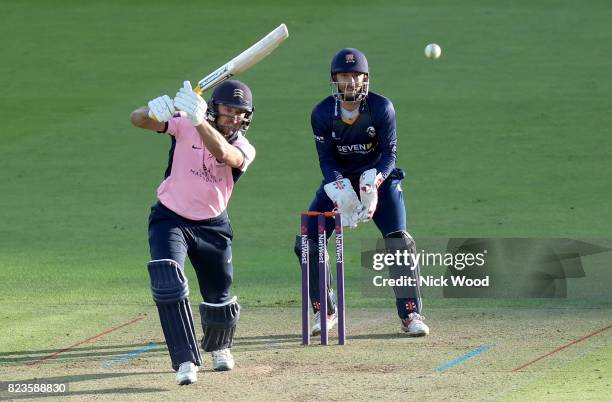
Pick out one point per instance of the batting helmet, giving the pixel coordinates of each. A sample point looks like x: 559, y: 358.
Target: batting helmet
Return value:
x: 234, y: 94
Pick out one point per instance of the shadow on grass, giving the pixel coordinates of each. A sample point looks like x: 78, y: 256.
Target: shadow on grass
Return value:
x: 92, y: 347
x: 288, y: 341
x: 111, y: 352
x: 35, y: 357
x: 298, y: 337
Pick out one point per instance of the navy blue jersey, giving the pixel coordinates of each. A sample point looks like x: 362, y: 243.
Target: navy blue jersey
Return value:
x: 348, y: 149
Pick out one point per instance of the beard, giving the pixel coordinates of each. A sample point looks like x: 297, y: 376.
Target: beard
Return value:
x: 227, y: 131
x: 351, y: 95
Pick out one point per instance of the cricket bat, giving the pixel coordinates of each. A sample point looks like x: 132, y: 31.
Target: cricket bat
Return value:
x: 243, y: 61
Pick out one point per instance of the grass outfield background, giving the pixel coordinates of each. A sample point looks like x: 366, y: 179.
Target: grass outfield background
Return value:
x: 507, y: 135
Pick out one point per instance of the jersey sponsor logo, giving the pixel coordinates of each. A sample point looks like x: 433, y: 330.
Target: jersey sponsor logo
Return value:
x: 206, y: 174
x: 371, y: 131
x: 355, y: 148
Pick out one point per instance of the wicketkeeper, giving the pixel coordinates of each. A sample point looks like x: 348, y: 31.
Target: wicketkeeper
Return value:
x: 208, y: 154
x: 354, y: 133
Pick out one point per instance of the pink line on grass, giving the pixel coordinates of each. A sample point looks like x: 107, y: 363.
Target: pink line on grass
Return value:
x: 562, y: 347
x: 108, y: 331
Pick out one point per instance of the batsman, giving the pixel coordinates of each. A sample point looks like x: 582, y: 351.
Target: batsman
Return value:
x: 355, y: 137
x: 208, y: 154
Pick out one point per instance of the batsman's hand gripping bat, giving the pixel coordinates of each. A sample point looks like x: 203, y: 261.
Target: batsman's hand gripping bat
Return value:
x: 243, y: 61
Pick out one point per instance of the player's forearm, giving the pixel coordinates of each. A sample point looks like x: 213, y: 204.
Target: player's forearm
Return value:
x: 218, y: 146
x: 140, y: 118
x: 386, y: 164
x: 388, y: 148
x: 388, y: 145
x: 327, y: 162
x: 330, y: 169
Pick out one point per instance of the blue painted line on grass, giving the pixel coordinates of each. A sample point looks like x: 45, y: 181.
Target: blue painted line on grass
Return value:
x: 463, y: 358
x: 131, y: 355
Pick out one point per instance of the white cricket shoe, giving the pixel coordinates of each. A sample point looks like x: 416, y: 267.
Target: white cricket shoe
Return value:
x: 187, y: 373
x: 414, y: 325
x: 332, y: 319
x: 222, y: 360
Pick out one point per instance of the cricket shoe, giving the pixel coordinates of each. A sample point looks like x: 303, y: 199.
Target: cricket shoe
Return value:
x: 414, y: 325
x: 187, y: 373
x: 222, y: 360
x: 332, y: 319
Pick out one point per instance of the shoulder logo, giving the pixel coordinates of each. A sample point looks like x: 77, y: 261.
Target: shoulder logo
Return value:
x: 371, y: 131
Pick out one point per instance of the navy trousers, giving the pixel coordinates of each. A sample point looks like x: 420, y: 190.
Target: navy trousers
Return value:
x: 207, y: 243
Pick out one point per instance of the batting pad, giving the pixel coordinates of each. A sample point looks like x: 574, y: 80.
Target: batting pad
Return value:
x: 171, y: 294
x: 219, y: 324
x: 408, y: 298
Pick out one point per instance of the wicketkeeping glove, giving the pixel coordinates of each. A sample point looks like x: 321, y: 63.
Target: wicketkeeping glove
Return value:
x: 346, y: 201
x: 369, y: 182
x: 191, y: 103
x: 161, y: 108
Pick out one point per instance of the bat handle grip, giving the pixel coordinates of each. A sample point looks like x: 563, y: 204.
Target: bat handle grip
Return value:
x: 197, y: 89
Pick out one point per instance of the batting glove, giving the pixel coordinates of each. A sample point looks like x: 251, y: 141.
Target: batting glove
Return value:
x: 191, y: 103
x: 161, y: 108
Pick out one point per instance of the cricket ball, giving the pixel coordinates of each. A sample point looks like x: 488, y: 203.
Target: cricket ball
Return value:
x: 433, y: 51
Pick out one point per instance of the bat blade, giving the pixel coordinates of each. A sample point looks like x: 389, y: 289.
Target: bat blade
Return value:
x: 244, y: 60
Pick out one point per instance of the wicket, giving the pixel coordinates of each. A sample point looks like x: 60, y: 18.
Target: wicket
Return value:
x: 323, y: 285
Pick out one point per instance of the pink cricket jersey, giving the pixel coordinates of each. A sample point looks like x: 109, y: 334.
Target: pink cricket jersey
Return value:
x: 198, y: 187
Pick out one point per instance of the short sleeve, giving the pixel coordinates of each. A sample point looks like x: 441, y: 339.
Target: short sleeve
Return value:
x: 247, y: 150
